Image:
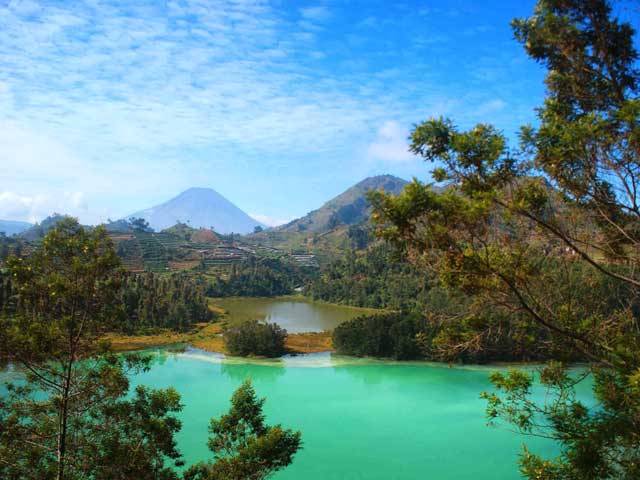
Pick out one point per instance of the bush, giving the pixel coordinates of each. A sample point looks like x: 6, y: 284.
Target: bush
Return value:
x: 255, y: 338
x: 391, y: 335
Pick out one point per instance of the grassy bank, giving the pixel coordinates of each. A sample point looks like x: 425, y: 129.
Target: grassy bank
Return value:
x: 209, y: 337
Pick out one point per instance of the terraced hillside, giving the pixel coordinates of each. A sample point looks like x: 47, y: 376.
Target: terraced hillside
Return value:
x: 154, y: 253
x: 169, y: 252
x: 128, y: 250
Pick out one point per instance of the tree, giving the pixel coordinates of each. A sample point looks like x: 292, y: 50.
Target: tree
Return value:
x: 255, y: 338
x: 359, y: 236
x: 244, y: 447
x: 257, y: 229
x: 69, y: 418
x: 139, y: 225
x: 517, y: 229
x: 388, y: 335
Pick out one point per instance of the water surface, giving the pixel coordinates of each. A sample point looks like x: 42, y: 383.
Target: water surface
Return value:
x: 360, y: 420
x: 296, y: 314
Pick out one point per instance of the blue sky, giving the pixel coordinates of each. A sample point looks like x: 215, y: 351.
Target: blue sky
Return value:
x: 108, y: 107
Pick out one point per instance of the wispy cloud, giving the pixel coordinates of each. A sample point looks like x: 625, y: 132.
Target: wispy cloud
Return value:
x: 391, y: 144
x: 127, y: 100
x: 318, y: 13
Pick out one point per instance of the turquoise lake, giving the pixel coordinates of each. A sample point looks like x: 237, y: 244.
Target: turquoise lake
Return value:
x: 359, y: 419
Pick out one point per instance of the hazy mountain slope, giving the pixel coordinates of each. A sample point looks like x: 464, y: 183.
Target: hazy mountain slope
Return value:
x: 12, y: 227
x: 349, y: 208
x: 199, y: 207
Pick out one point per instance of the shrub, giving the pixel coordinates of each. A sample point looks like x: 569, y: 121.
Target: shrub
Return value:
x: 255, y: 338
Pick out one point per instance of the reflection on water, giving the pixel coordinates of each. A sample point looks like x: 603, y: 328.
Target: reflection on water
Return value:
x: 372, y: 419
x: 296, y: 314
x: 257, y: 373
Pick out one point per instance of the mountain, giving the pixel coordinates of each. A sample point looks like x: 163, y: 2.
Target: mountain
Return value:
x: 349, y: 208
x: 200, y: 208
x: 12, y: 227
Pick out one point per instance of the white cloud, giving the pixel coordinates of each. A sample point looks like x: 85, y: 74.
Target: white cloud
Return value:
x: 14, y: 206
x: 391, y: 144
x: 125, y: 101
x: 269, y: 220
x: 35, y: 208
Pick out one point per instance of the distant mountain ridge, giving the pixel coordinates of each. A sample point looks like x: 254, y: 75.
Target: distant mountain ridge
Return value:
x: 13, y: 227
x: 351, y: 207
x: 199, y: 208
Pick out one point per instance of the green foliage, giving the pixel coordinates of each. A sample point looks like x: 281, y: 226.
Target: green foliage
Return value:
x: 255, y: 338
x: 52, y: 425
x: 143, y: 302
x: 378, y: 278
x: 257, y: 277
x: 66, y: 288
x: 391, y: 335
x: 548, y: 235
x: 245, y: 447
x: 151, y: 301
x: 137, y: 443
x: 596, y: 444
x: 70, y: 415
x: 9, y: 246
x: 139, y: 225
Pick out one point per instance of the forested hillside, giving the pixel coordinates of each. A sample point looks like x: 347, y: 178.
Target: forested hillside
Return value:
x: 145, y: 302
x: 377, y: 276
x: 349, y: 208
x: 258, y: 277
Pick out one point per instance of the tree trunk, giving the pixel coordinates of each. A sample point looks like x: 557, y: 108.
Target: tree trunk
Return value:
x: 62, y: 424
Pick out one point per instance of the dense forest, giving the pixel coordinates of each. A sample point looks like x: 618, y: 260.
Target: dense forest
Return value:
x: 146, y: 301
x: 433, y: 322
x: 175, y: 301
x: 376, y: 277
x: 257, y: 277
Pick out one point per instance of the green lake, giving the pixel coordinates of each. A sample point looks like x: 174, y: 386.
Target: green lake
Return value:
x: 295, y: 314
x: 360, y: 419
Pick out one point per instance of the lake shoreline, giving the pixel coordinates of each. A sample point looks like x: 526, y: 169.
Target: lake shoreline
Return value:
x: 208, y: 337
x: 208, y: 351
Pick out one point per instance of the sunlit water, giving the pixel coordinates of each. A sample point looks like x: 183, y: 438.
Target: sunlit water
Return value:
x: 359, y: 419
x: 296, y: 314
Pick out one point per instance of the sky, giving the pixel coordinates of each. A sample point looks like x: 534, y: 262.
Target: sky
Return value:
x: 109, y: 107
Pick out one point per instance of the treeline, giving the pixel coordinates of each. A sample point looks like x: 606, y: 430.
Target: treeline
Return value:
x: 152, y: 301
x: 414, y: 336
x: 257, y: 277
x: 144, y: 301
x: 392, y: 335
x: 450, y: 326
x: 377, y: 277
